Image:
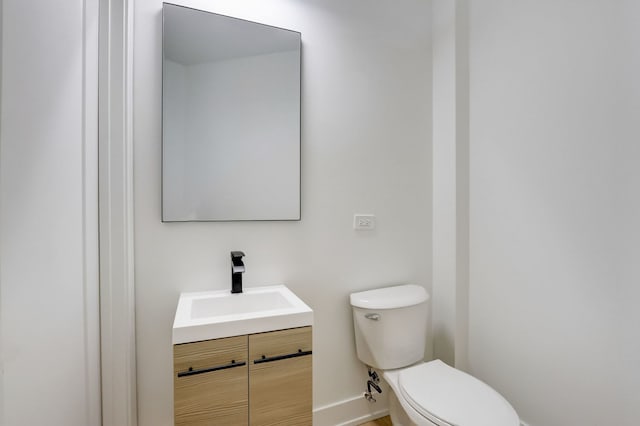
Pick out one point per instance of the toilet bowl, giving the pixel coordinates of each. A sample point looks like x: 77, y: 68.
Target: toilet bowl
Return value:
x: 391, y: 329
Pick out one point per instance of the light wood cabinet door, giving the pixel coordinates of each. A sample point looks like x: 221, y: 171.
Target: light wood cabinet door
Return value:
x: 210, y: 382
x: 280, y: 378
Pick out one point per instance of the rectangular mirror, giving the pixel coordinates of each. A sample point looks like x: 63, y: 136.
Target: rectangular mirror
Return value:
x: 230, y: 118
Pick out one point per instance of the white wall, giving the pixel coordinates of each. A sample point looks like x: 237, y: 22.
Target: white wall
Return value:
x: 48, y: 215
x: 450, y: 181
x: 555, y: 184
x: 366, y: 112
x: 1, y: 340
x: 444, y: 180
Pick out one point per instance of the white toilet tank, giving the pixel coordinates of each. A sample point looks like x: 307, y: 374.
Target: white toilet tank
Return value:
x: 390, y: 325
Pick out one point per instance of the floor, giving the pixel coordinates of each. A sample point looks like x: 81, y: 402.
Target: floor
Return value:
x: 384, y: 421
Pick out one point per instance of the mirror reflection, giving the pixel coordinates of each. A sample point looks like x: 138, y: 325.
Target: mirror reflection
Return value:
x: 231, y: 119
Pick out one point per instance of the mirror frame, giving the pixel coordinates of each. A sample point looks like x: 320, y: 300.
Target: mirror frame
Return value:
x: 299, y: 118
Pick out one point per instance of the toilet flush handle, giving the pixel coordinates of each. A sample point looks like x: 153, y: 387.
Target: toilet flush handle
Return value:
x: 372, y: 316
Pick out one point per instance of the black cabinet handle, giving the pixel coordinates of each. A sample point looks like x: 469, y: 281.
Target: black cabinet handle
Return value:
x: 279, y: 357
x: 192, y: 372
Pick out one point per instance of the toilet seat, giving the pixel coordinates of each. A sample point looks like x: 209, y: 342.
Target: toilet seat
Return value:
x: 449, y: 397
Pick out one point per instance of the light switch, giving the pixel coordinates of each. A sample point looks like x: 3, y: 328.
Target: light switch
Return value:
x: 364, y: 222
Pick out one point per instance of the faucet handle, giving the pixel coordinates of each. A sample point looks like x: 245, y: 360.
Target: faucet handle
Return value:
x: 237, y: 268
x: 237, y: 255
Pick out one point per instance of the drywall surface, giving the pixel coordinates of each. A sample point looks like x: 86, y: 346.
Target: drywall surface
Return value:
x: 1, y: 341
x: 49, y: 369
x: 450, y: 181
x: 555, y: 202
x: 366, y: 148
x: 444, y: 181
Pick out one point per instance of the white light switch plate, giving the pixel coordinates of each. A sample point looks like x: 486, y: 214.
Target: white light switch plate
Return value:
x: 364, y: 222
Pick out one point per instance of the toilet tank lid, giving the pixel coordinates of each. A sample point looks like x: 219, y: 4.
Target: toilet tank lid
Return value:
x: 390, y: 297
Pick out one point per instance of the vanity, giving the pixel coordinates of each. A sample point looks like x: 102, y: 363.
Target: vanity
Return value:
x: 243, y: 359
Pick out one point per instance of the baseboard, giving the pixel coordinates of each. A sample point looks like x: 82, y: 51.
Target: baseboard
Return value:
x: 350, y: 412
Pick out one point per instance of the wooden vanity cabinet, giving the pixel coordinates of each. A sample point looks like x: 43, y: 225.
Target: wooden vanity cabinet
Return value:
x: 210, y: 382
x: 280, y: 378
x: 261, y: 379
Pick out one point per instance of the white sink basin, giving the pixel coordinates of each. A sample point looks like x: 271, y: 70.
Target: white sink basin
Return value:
x: 216, y: 314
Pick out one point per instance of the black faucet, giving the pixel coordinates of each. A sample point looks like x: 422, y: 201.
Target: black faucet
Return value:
x: 237, y: 269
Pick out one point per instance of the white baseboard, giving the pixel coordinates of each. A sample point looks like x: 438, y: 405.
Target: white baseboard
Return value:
x: 350, y: 412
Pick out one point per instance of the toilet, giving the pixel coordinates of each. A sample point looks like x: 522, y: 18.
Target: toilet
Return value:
x: 391, y: 330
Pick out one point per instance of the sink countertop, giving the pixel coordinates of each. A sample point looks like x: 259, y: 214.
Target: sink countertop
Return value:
x: 217, y: 314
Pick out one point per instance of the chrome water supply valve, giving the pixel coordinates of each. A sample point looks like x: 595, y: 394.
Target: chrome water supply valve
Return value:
x: 374, y: 376
x: 373, y: 381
